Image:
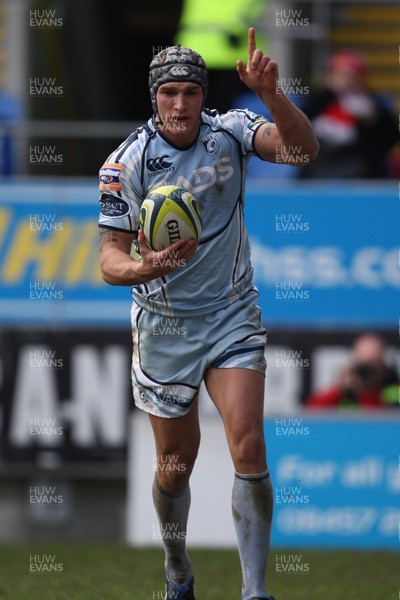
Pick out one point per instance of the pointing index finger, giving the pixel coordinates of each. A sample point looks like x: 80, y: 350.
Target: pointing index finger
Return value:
x: 252, y: 43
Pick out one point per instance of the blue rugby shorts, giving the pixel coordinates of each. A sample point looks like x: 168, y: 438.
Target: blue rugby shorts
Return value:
x: 171, y: 354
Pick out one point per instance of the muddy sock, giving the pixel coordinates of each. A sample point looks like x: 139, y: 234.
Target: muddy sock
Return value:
x: 172, y: 511
x: 252, y: 505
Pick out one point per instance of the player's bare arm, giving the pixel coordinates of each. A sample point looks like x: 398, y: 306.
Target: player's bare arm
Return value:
x: 119, y: 268
x: 290, y: 139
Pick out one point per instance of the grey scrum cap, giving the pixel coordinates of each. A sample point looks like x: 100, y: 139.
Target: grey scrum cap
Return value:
x: 176, y: 63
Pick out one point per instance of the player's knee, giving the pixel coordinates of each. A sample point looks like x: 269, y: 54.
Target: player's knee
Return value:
x: 173, y: 469
x: 176, y: 463
x: 249, y: 453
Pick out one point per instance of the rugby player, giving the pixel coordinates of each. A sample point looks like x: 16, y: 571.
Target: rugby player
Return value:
x: 206, y: 287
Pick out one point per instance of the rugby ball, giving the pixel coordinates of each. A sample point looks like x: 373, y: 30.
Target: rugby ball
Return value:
x: 168, y: 214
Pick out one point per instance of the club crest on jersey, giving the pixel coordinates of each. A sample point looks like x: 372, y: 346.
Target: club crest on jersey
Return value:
x: 110, y: 177
x: 211, y: 144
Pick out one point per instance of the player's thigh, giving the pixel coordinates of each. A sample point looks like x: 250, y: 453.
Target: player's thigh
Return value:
x: 238, y: 394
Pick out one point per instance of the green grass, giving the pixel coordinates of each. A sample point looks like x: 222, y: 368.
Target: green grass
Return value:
x: 114, y: 572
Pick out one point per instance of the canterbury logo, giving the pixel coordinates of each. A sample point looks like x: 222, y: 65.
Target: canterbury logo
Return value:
x: 158, y: 164
x: 179, y: 71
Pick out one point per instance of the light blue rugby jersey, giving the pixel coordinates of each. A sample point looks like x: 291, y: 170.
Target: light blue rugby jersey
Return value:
x: 213, y: 169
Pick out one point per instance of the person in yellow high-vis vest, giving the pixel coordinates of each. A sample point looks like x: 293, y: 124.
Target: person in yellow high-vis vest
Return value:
x: 218, y: 31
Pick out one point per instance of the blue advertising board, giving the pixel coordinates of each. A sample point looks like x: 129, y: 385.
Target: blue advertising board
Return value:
x: 323, y: 254
x: 49, y: 255
x: 326, y: 253
x: 336, y: 480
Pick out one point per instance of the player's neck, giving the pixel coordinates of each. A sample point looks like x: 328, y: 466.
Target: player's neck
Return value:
x: 178, y: 140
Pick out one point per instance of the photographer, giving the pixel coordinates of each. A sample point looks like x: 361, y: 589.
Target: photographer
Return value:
x: 368, y: 382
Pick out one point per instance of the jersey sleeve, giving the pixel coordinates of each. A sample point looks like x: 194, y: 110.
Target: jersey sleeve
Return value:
x: 120, y: 197
x: 243, y: 124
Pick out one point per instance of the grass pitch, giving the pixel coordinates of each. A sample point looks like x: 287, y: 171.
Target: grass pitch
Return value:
x: 115, y: 572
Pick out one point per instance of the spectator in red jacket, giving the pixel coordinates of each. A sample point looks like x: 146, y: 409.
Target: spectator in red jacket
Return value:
x: 367, y: 382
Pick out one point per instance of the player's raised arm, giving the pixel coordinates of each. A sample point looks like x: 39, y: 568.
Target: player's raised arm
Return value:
x: 291, y: 134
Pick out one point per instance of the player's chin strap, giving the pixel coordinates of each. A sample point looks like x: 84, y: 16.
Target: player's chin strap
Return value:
x: 158, y: 120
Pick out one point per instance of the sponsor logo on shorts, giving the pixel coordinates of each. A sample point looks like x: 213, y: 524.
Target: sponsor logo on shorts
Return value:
x: 211, y: 144
x: 110, y: 177
x: 159, y: 164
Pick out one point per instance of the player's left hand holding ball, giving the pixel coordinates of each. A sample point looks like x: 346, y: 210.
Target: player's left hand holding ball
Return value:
x: 156, y: 264
x: 170, y: 227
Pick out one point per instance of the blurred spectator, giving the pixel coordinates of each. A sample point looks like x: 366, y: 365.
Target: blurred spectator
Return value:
x: 368, y: 382
x: 355, y: 128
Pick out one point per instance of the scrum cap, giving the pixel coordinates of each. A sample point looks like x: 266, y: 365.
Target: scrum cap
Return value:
x: 176, y: 63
